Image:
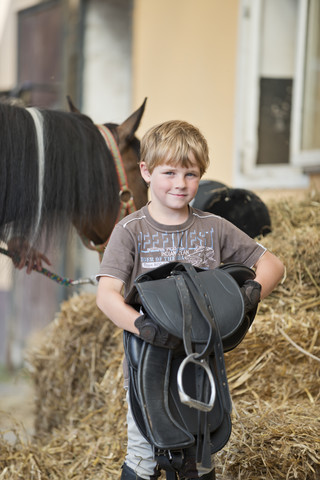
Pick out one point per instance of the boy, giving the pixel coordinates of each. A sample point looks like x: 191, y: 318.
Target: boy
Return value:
x: 174, y: 156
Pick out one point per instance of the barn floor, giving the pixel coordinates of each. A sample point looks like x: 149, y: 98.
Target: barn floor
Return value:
x: 16, y: 407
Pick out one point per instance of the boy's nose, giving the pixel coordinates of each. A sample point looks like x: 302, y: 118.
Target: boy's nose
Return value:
x: 180, y: 183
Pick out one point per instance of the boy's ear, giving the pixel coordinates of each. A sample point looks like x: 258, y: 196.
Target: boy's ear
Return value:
x: 145, y: 172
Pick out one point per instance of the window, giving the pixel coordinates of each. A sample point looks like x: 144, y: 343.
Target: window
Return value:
x: 306, y: 140
x: 278, y: 98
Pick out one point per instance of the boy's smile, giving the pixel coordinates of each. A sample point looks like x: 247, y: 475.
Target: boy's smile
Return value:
x: 172, y: 187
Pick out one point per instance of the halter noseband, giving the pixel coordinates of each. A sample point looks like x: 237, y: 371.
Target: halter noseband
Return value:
x: 126, y: 206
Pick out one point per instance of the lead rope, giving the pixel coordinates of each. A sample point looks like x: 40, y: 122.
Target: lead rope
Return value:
x: 65, y: 281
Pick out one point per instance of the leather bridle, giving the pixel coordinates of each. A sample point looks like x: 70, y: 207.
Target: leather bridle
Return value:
x: 127, y: 204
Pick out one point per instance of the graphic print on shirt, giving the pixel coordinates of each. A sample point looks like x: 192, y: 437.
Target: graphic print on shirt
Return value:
x: 189, y: 246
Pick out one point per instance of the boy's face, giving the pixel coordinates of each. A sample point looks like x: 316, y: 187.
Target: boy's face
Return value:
x: 172, y: 187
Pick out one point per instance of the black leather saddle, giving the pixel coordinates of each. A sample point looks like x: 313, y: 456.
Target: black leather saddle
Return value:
x: 180, y: 398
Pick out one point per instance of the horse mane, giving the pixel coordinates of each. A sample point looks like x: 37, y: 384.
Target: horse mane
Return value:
x: 79, y: 181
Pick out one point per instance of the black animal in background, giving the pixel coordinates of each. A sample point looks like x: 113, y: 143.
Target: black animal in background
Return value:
x: 241, y: 207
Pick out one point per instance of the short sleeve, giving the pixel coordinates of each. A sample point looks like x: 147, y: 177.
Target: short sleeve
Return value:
x: 118, y: 258
x: 237, y: 246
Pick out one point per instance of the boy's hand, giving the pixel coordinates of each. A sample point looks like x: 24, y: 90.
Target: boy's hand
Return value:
x: 153, y: 333
x: 251, y: 292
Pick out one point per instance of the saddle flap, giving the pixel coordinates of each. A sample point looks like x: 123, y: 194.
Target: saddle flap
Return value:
x: 156, y: 407
x: 163, y: 429
x: 132, y: 347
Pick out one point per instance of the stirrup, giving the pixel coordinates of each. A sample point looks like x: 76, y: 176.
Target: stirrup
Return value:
x: 184, y: 397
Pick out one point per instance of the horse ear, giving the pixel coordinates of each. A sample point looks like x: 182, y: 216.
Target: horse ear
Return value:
x: 73, y: 109
x: 128, y: 128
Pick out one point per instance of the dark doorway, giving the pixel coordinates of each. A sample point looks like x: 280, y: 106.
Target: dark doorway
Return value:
x: 40, y: 58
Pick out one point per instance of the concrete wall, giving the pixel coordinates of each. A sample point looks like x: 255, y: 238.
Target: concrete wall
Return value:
x: 107, y: 60
x: 8, y: 40
x: 184, y: 61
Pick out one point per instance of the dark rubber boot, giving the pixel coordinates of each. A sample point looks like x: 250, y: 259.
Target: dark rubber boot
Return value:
x: 208, y: 476
x: 129, y: 474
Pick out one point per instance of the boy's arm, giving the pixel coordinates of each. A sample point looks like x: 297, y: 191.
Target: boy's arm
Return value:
x: 269, y: 272
x: 112, y: 304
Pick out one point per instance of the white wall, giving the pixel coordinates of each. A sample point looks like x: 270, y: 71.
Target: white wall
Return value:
x: 107, y: 60
x: 8, y: 40
x: 107, y: 78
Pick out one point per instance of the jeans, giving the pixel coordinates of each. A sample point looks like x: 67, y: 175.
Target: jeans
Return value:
x: 139, y: 452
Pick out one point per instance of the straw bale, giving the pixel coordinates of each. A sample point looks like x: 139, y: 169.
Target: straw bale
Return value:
x: 67, y: 368
x: 274, y: 378
x: 274, y: 374
x: 79, y: 400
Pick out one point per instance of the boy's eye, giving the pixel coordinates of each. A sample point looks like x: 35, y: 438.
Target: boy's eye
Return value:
x: 193, y: 174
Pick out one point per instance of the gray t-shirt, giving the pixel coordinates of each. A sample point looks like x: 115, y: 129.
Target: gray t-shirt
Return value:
x: 138, y: 244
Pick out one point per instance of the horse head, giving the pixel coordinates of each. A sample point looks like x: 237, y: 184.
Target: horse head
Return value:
x: 132, y: 188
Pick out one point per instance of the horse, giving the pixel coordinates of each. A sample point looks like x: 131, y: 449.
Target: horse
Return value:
x: 59, y: 169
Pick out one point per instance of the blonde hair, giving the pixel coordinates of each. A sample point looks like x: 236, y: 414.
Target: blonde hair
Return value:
x: 172, y: 142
